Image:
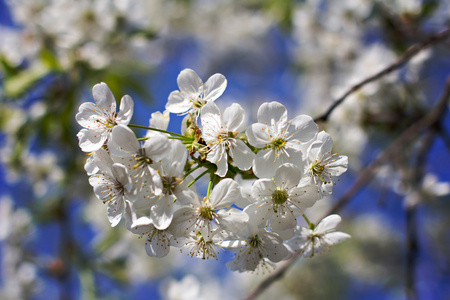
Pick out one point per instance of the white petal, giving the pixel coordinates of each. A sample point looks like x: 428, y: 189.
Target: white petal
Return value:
x: 139, y: 225
x: 314, y: 151
x: 265, y: 164
x: 258, y: 135
x: 287, y: 175
x: 177, y: 103
x: 333, y: 238
x: 263, y: 189
x: 123, y: 142
x: 338, y: 165
x: 325, y: 138
x: 222, y: 164
x: 214, y: 87
x: 302, y: 128
x: 242, y: 155
x: 225, y: 193
x: 233, y: 117
x: 103, y: 161
x: 258, y: 213
x: 162, y: 212
x: 280, y: 222
x: 160, y: 120
x: 274, y: 247
x: 232, y: 219
x: 232, y: 244
x: 212, y: 127
x: 176, y: 159
x: 104, y: 98
x: 90, y: 167
x: 191, y: 197
x: 181, y: 191
x: 115, y: 212
x: 156, y: 147
x: 210, y: 108
x: 158, y: 246
x: 328, y: 223
x: 89, y: 116
x: 126, y: 110
x: 189, y: 82
x: 182, y: 222
x: 120, y: 173
x: 90, y: 141
x: 271, y: 113
x: 303, y: 197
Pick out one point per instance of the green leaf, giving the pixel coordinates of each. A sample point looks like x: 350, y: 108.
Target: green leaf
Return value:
x: 17, y: 85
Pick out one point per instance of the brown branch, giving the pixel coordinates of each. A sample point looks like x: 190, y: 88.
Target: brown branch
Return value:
x: 412, y: 51
x: 412, y: 244
x: 277, y: 274
x: 428, y: 120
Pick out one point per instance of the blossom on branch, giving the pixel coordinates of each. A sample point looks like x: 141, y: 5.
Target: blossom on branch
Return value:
x: 279, y: 141
x: 193, y: 94
x: 100, y: 118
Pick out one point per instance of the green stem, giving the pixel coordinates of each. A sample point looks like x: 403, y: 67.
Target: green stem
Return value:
x: 159, y: 130
x: 197, y: 178
x: 209, y: 188
x: 192, y: 170
x: 310, y: 225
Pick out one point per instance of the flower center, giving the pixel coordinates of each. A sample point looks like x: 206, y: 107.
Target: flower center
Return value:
x: 279, y: 196
x: 317, y: 169
x: 254, y: 241
x: 206, y: 248
x: 198, y: 103
x: 206, y: 212
x: 278, y: 144
x: 169, y: 184
x: 141, y: 159
x: 118, y: 190
x: 222, y: 136
x: 110, y: 123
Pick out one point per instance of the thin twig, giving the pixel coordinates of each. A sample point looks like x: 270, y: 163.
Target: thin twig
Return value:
x: 277, y: 274
x: 412, y: 244
x: 366, y: 175
x: 412, y: 51
x: 428, y: 120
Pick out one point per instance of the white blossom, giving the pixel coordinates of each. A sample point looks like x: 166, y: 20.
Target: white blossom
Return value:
x: 193, y: 94
x: 100, y: 118
x: 279, y: 201
x: 139, y: 159
x: 253, y: 246
x: 171, y: 170
x: 220, y: 134
x: 279, y: 140
x: 322, y: 165
x: 318, y: 238
x: 157, y: 242
x: 158, y: 120
x: 211, y: 212
x: 112, y: 185
x: 203, y: 244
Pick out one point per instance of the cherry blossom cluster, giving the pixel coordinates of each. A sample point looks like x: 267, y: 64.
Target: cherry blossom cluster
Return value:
x: 151, y: 182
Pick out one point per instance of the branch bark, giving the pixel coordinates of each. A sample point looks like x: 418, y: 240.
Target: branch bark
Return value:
x: 411, y: 52
x: 432, y: 118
